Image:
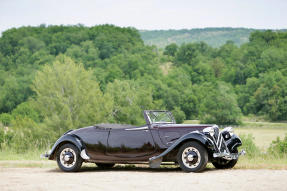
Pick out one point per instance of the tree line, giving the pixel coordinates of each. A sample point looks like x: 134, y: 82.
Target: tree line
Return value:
x: 214, y: 37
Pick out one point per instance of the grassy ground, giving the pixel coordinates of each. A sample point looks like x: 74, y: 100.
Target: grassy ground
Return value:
x: 261, y: 163
x: 263, y: 132
x: 262, y: 137
x: 6, y: 155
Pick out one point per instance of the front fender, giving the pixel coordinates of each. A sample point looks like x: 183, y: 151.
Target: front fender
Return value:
x: 67, y: 138
x: 193, y: 136
x: 233, y: 143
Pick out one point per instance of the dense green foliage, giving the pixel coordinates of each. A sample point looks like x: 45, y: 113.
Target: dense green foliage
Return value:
x: 57, y: 78
x: 68, y: 96
x: 219, y: 105
x: 129, y: 101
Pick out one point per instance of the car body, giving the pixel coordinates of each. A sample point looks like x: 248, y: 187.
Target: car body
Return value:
x: 157, y: 142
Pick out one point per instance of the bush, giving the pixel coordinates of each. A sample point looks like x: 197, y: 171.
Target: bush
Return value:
x: 28, y: 135
x: 5, y: 119
x: 5, y: 137
x: 278, y: 147
x: 249, y: 146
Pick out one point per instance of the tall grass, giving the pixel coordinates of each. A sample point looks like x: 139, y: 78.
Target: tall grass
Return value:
x: 31, y: 154
x: 274, y: 158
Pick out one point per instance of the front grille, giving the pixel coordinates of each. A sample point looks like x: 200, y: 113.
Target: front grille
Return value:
x: 216, y: 132
x: 219, y: 141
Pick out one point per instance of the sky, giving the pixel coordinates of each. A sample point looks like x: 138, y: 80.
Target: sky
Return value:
x: 146, y: 14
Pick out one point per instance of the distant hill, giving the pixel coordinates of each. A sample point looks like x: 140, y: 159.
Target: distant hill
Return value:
x: 212, y: 36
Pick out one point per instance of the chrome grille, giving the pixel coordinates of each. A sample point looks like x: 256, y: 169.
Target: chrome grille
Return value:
x: 219, y: 141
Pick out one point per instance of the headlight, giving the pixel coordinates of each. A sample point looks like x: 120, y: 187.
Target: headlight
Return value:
x: 209, y: 130
x: 229, y: 130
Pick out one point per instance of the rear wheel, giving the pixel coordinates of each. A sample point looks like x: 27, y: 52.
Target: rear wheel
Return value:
x: 192, y: 157
x: 68, y: 158
x: 105, y: 165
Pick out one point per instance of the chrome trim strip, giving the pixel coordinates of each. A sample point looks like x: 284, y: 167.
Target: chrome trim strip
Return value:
x: 137, y: 128
x: 221, y: 139
x: 218, y: 138
x: 226, y: 147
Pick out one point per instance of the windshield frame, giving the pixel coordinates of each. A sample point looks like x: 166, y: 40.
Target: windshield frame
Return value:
x: 149, y: 121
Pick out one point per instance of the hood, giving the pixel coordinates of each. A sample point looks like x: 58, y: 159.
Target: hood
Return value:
x: 169, y: 133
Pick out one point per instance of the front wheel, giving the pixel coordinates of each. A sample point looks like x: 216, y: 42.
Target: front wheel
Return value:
x: 192, y: 157
x: 224, y: 164
x: 221, y: 163
x: 68, y: 158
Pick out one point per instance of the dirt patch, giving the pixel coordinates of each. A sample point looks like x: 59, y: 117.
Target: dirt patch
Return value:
x: 90, y: 178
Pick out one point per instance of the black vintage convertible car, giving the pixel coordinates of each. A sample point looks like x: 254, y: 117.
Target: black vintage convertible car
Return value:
x: 160, y: 141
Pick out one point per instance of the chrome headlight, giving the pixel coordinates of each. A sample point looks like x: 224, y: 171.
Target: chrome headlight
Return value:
x: 229, y: 130
x: 209, y: 130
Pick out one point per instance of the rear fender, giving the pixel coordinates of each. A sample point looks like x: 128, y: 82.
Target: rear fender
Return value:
x: 193, y: 136
x: 66, y: 138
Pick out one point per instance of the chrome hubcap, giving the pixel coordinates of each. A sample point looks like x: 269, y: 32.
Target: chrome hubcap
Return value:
x: 68, y: 157
x: 191, y: 157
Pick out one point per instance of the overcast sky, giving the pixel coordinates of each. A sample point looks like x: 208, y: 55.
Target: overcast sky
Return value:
x: 146, y: 14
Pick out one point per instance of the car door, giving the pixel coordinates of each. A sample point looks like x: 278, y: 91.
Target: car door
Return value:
x: 130, y: 142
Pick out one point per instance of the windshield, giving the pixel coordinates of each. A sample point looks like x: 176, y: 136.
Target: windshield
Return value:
x: 160, y: 117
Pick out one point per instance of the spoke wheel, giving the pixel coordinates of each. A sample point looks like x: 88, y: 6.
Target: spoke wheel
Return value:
x: 192, y: 157
x: 68, y: 158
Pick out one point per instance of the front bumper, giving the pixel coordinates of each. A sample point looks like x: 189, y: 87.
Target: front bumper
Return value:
x: 229, y: 156
x: 225, y: 145
x: 46, y: 155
